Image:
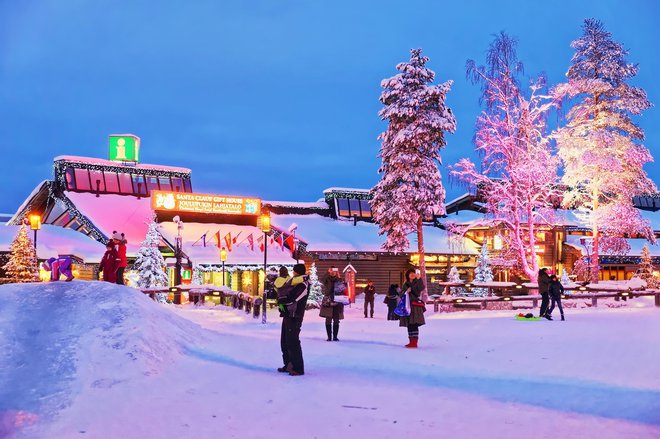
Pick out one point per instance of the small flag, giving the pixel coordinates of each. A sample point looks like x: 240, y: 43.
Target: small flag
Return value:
x: 217, y: 238
x: 291, y: 244
x: 250, y: 241
x: 228, y: 241
x: 280, y: 241
x: 204, y: 239
x: 236, y: 237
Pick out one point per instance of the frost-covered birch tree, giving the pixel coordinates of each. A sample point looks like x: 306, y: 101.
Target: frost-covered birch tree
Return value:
x: 149, y: 262
x: 518, y: 174
x: 411, y: 187
x: 600, y: 144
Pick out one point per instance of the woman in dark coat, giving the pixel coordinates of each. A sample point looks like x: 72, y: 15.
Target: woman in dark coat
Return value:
x: 414, y: 288
x: 331, y: 310
x: 391, y: 300
x: 109, y: 263
x: 556, y: 290
x: 544, y: 287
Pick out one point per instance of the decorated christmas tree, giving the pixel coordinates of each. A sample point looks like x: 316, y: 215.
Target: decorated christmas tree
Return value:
x: 645, y: 270
x: 149, y: 262
x: 197, y: 276
x: 483, y: 272
x: 22, y: 265
x: 315, y: 286
x: 454, y: 276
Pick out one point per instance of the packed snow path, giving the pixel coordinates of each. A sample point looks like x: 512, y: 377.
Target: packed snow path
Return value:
x: 88, y: 359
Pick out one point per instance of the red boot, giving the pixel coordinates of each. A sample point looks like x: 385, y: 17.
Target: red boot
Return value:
x: 413, y: 342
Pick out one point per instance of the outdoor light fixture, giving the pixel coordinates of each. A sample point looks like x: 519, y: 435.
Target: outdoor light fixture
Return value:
x: 265, y: 227
x: 458, y: 300
x: 35, y: 224
x: 467, y: 285
x: 518, y: 287
x: 506, y: 298
x: 223, y: 258
x: 582, y: 288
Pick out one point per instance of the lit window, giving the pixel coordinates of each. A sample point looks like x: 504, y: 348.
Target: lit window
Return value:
x: 82, y: 180
x: 342, y: 203
x: 111, y: 182
x: 164, y: 183
x: 177, y: 184
x: 186, y: 185
x: 125, y: 185
x: 70, y: 181
x: 97, y: 181
x: 355, y: 206
x: 152, y: 182
x: 139, y: 184
x: 366, y: 208
x: 497, y: 242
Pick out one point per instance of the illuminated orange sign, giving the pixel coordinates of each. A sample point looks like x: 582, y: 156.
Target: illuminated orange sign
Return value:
x: 204, y: 203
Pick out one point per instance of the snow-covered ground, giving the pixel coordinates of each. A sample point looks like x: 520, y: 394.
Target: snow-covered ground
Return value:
x: 95, y: 360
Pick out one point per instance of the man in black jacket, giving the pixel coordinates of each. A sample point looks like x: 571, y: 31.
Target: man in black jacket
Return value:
x: 294, y: 304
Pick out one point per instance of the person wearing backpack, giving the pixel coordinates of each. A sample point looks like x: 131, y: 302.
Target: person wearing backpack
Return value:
x: 282, y: 292
x: 414, y: 287
x: 294, y: 302
x: 331, y: 310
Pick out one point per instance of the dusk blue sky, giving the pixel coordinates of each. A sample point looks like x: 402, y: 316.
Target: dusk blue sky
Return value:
x: 275, y: 99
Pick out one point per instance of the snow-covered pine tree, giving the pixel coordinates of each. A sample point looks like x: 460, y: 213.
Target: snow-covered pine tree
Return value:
x: 600, y: 144
x: 564, y: 277
x: 410, y: 188
x: 315, y: 286
x: 483, y: 272
x: 149, y: 262
x: 454, y: 276
x: 197, y: 276
x: 645, y: 270
x: 23, y: 265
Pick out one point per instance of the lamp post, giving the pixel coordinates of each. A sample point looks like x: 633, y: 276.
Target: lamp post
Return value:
x: 177, y: 265
x: 35, y: 224
x: 265, y: 227
x: 223, y: 258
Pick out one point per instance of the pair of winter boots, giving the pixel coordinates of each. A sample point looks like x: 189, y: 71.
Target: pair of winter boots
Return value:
x: 332, y: 331
x: 288, y: 369
x: 549, y: 317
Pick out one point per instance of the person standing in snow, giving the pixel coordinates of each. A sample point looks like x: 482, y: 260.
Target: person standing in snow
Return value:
x: 544, y: 285
x: 392, y: 300
x: 414, y: 287
x: 556, y: 289
x: 109, y: 263
x: 369, y: 295
x: 120, y: 242
x: 278, y: 284
x: 331, y: 310
x: 294, y: 302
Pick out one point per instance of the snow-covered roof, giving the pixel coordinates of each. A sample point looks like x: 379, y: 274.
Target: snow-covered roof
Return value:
x: 327, y: 234
x: 103, y: 162
x: 345, y: 189
x: 321, y: 204
x: 27, y: 200
x: 636, y: 245
x: 240, y: 254
x: 125, y: 214
x: 463, y: 217
x: 54, y: 240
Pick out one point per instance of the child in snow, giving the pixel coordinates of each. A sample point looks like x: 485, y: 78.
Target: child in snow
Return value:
x: 556, y: 290
x: 120, y: 242
x: 57, y: 267
x: 109, y: 263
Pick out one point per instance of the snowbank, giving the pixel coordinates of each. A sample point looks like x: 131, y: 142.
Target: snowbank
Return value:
x: 67, y: 337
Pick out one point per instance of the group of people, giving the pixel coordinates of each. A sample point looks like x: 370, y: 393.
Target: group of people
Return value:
x: 551, y: 290
x: 113, y: 263
x: 293, y: 292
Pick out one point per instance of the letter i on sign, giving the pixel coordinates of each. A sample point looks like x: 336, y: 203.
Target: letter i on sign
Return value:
x: 121, y: 149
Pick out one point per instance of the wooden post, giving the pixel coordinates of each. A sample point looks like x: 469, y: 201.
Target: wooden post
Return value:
x: 594, y: 302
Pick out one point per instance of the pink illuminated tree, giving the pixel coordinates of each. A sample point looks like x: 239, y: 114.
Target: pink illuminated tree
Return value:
x: 600, y: 144
x: 518, y: 171
x: 411, y: 187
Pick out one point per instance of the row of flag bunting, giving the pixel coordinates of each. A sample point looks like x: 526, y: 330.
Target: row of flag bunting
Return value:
x: 228, y: 241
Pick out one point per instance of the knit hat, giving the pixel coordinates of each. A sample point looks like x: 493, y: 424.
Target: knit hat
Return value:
x: 117, y: 236
x: 300, y: 269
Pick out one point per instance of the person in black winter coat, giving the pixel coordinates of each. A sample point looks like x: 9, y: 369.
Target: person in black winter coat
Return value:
x: 556, y: 290
x: 544, y: 286
x: 369, y: 295
x: 391, y: 300
x: 294, y: 302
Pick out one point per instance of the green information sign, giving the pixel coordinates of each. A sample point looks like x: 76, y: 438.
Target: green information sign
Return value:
x: 187, y: 274
x: 124, y: 147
